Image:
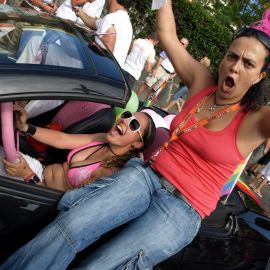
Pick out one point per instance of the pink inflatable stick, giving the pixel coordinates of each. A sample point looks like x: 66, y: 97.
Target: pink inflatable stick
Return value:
x: 8, y: 132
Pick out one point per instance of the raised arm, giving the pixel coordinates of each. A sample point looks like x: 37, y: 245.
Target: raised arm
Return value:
x: 192, y: 73
x: 54, y: 138
x: 88, y: 20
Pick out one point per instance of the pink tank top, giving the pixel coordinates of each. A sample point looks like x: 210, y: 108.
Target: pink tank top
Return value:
x: 78, y: 174
x: 201, y: 161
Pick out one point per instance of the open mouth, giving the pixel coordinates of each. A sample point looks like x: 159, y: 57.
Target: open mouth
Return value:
x: 119, y: 129
x: 229, y: 82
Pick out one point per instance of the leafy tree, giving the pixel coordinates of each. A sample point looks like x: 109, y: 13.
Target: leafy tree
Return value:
x: 206, y: 34
x: 208, y: 24
x: 235, y: 14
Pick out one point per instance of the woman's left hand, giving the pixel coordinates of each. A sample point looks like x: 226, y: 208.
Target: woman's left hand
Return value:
x: 20, y: 169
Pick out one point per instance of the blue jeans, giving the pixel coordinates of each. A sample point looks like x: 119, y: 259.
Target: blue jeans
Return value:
x: 180, y: 92
x: 160, y: 225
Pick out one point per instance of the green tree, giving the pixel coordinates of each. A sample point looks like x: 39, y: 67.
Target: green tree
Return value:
x: 208, y: 24
x: 235, y: 14
x: 206, y: 34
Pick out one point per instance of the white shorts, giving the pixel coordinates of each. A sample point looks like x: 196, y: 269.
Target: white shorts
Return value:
x: 156, y: 81
x: 34, y: 164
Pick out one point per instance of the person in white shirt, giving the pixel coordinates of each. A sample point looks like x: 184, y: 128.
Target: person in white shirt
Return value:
x: 141, y: 57
x: 114, y: 29
x: 92, y: 8
x: 162, y: 72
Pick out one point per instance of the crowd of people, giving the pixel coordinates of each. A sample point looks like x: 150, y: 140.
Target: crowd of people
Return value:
x: 161, y: 73
x: 163, y: 200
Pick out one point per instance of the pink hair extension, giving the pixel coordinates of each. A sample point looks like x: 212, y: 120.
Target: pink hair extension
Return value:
x: 264, y: 24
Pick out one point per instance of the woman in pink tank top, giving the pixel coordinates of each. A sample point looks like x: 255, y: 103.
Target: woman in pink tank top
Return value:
x: 93, y: 155
x: 163, y: 202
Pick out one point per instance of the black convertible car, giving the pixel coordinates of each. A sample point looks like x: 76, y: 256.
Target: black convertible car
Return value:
x: 54, y: 64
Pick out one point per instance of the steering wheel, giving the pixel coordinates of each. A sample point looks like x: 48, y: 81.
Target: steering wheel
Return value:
x: 8, y: 140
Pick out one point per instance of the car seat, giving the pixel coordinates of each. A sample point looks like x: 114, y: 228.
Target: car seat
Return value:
x: 162, y: 135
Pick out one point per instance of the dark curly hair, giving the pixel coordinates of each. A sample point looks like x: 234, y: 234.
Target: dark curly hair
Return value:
x: 255, y: 96
x: 148, y: 137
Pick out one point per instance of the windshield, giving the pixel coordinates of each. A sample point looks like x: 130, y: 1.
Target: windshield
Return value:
x: 22, y: 43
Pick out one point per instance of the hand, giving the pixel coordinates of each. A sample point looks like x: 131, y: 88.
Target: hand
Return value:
x: 20, y: 169
x: 154, y: 72
x: 266, y: 146
x: 172, y: 75
x: 22, y: 103
x: 49, y: 8
x: 75, y: 9
x: 78, y: 11
x: 54, y: 6
x: 21, y: 118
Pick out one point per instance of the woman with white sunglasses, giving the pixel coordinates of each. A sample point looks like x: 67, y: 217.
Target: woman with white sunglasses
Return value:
x: 92, y: 156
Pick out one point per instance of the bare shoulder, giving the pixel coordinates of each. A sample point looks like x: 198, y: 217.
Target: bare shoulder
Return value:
x: 98, y: 137
x: 255, y: 127
x: 261, y: 116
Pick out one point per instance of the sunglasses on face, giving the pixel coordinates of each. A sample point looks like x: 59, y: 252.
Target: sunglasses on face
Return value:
x: 260, y: 35
x: 134, y: 125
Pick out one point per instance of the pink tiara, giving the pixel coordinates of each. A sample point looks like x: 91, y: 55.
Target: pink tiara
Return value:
x: 264, y: 24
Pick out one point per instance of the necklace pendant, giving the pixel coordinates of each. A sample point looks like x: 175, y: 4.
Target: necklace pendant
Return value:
x: 199, y: 110
x: 212, y: 108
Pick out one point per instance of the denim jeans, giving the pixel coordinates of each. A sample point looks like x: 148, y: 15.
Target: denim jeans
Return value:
x: 160, y: 225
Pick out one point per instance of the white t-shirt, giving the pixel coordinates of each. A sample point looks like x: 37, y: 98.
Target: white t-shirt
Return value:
x: 93, y: 9
x: 37, y: 107
x: 142, y: 51
x: 123, y: 28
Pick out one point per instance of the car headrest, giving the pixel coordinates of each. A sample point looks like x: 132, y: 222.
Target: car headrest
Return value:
x: 74, y: 111
x: 162, y: 135
x: 158, y: 120
x: 100, y: 121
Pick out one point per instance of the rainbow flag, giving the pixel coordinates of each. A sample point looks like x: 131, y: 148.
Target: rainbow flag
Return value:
x: 245, y: 188
x: 228, y: 187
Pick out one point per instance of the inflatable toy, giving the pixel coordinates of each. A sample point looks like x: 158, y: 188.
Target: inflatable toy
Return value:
x: 131, y: 106
x: 8, y: 132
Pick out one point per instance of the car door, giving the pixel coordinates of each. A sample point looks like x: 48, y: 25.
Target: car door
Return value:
x: 85, y: 73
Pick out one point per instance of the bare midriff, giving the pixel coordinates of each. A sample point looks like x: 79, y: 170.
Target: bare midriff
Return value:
x: 55, y: 175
